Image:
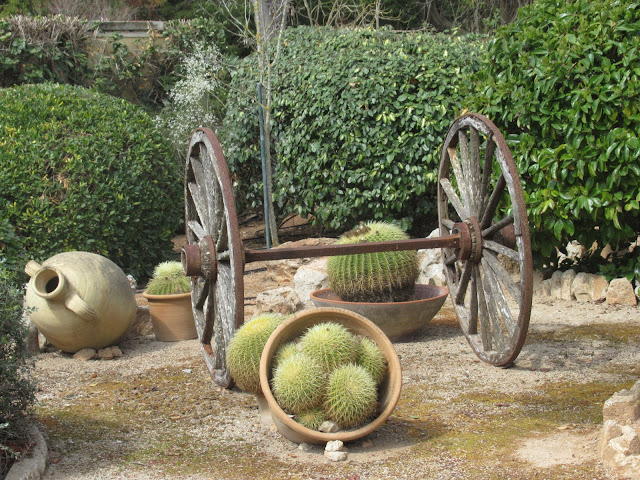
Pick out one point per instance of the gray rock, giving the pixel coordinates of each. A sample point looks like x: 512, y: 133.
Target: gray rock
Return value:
x: 279, y: 300
x: 109, y: 353
x: 555, y: 285
x: 624, y: 406
x: 335, y: 456
x: 334, y: 446
x: 329, y: 427
x: 86, y: 354
x: 430, y: 265
x: 310, y: 278
x: 565, y: 284
x: 620, y: 292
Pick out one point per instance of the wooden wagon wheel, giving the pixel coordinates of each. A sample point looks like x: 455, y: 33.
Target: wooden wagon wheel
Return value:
x: 490, y: 276
x: 214, y: 255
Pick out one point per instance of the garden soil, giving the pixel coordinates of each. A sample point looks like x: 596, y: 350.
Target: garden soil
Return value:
x: 154, y: 413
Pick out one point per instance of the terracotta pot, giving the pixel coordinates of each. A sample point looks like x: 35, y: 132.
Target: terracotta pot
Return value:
x: 171, y: 317
x: 80, y: 300
x: 389, y: 390
x: 396, y: 319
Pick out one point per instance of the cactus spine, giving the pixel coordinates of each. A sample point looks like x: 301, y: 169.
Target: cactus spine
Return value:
x: 374, y: 277
x: 352, y: 396
x: 331, y: 344
x: 168, y: 279
x: 298, y: 383
x: 312, y: 418
x: 245, y: 349
x: 371, y: 358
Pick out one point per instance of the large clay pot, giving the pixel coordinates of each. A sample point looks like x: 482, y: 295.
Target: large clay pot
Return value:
x: 396, y: 319
x: 295, y: 326
x: 172, y: 317
x: 80, y: 300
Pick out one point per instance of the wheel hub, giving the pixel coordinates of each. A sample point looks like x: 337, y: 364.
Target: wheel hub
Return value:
x: 470, y: 240
x: 200, y: 259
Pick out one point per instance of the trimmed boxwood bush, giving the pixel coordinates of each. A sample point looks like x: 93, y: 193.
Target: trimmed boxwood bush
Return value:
x: 359, y: 117
x: 564, y: 82
x: 85, y: 171
x: 16, y: 387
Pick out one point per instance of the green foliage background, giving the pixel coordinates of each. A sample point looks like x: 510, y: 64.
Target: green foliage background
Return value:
x: 358, y: 119
x: 563, y: 82
x: 16, y: 388
x: 85, y: 171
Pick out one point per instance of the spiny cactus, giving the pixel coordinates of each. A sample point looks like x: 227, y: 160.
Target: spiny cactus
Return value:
x: 284, y: 352
x: 374, y: 277
x: 245, y: 349
x: 372, y: 359
x: 351, y: 396
x: 312, y: 418
x: 298, y: 383
x: 331, y: 344
x: 168, y: 279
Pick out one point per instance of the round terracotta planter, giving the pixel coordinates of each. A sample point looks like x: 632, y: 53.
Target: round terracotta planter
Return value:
x: 389, y: 391
x: 395, y: 319
x: 171, y: 317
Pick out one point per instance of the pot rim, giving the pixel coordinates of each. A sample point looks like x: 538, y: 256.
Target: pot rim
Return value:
x: 372, y: 331
x: 174, y: 296
x: 444, y: 291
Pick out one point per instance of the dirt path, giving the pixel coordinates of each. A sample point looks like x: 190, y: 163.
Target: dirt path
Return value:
x: 154, y: 413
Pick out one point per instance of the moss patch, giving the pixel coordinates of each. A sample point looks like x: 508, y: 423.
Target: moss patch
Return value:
x: 608, y: 332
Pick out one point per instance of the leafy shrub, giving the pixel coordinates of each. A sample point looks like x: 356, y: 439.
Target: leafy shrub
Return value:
x: 43, y: 49
x: 85, y: 171
x: 358, y: 119
x: 16, y: 388
x: 564, y: 82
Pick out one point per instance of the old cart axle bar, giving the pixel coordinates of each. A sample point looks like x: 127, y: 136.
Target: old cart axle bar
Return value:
x: 449, y: 241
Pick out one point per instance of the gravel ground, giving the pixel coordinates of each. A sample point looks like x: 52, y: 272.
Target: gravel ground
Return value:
x: 154, y: 413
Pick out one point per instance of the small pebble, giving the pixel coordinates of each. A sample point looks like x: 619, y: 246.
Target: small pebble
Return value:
x: 304, y: 447
x: 334, y: 446
x: 335, y: 456
x: 328, y: 427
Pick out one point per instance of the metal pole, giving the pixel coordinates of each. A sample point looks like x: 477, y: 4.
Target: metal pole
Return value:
x: 263, y: 155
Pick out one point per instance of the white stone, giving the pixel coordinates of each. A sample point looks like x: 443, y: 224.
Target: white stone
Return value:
x: 610, y: 430
x: 279, y: 300
x: 85, y: 354
x: 109, y: 353
x: 328, y: 427
x: 565, y: 284
x: 334, y: 446
x: 628, y: 443
x: 310, y: 278
x: 543, y: 290
x: 620, y: 292
x: 624, y: 406
x: 305, y: 447
x: 336, y: 456
x: 430, y: 265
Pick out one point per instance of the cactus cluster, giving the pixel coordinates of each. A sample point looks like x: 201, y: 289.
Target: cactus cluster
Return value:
x: 331, y: 344
x: 168, y: 279
x: 328, y: 374
x: 374, y: 277
x: 371, y: 358
x: 245, y: 349
x: 352, y: 396
x: 298, y: 383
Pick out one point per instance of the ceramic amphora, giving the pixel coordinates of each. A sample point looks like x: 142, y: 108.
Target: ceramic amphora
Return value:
x: 80, y: 300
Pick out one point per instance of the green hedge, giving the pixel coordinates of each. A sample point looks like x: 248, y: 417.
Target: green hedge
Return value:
x: 359, y: 119
x: 16, y: 387
x: 85, y: 171
x: 564, y: 82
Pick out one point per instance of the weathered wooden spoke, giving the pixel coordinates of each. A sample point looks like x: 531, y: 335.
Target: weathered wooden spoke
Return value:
x: 215, y: 248
x: 490, y: 274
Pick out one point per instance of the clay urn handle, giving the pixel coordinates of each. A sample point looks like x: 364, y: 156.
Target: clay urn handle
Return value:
x: 50, y: 284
